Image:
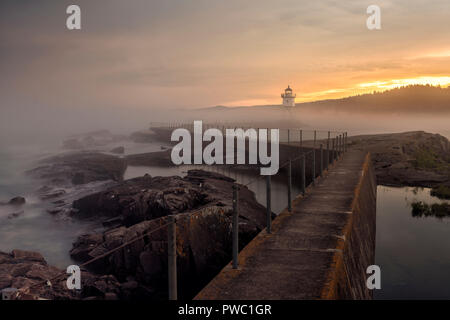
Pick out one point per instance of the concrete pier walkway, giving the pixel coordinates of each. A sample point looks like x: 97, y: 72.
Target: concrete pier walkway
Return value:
x: 320, y: 250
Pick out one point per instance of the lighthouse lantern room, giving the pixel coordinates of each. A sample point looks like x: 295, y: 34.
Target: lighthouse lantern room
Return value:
x: 288, y: 97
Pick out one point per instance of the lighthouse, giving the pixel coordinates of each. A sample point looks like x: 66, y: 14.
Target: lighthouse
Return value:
x: 288, y: 97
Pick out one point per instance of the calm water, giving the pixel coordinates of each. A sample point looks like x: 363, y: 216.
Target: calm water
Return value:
x: 413, y: 253
x: 35, y: 229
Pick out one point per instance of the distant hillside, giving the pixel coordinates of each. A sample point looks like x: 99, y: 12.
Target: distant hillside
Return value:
x: 414, y: 98
x: 410, y: 99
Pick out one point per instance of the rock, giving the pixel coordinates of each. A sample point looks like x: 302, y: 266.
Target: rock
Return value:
x: 118, y: 150
x: 91, y: 140
x: 29, y: 271
x: 202, y: 202
x: 54, y: 193
x: 73, y: 144
x: 79, y: 168
x: 16, y: 201
x: 144, y: 136
x: 113, y: 222
x: 147, y: 197
x: 130, y: 285
x: 142, y: 199
x: 15, y: 214
x: 160, y: 159
x: 411, y: 158
x: 54, y: 211
x: 21, y: 255
x: 111, y: 296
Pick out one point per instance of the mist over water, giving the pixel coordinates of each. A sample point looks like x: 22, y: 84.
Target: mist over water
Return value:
x: 29, y: 136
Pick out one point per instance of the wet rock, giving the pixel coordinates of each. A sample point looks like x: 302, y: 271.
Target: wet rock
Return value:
x: 144, y: 136
x: 92, y: 140
x: 113, y: 222
x: 22, y: 255
x: 111, y: 296
x: 53, y: 193
x: 142, y: 199
x: 55, y: 211
x: 29, y: 272
x: 15, y: 214
x: 79, y: 168
x: 160, y: 159
x: 72, y: 144
x: 118, y: 150
x: 16, y: 201
x: 202, y: 202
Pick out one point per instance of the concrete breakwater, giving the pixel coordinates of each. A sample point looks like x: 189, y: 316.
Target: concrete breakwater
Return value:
x: 320, y: 250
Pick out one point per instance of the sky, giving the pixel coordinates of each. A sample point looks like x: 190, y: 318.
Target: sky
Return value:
x: 170, y: 54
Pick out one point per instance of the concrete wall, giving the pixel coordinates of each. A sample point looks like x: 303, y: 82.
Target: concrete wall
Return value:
x: 347, y: 278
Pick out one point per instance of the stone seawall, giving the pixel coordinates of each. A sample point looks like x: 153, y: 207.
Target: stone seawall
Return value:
x: 347, y: 278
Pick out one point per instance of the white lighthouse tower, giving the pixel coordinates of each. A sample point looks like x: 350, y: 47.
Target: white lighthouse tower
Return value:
x: 288, y: 97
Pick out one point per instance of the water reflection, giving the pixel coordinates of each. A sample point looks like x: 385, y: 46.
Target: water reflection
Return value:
x: 413, y: 253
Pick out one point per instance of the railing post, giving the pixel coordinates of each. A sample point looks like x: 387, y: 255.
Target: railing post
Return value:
x: 338, y: 147
x: 314, y: 167
x: 346, y: 141
x: 269, y: 209
x: 301, y: 138
x: 172, y: 257
x: 315, y: 137
x: 290, y: 186
x: 289, y: 137
x: 235, y: 226
x: 328, y: 150
x: 321, y: 160
x: 335, y: 148
x: 303, y: 174
x: 332, y: 150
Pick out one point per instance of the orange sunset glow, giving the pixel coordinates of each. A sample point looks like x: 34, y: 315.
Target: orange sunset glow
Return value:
x: 228, y: 53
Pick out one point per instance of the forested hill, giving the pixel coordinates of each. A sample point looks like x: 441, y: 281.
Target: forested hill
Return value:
x: 411, y: 99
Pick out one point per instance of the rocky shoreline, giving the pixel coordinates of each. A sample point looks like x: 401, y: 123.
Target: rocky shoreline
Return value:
x: 201, y: 201
x: 417, y: 159
x: 89, y: 185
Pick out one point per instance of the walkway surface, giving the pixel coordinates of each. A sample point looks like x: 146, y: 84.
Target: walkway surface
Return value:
x: 294, y: 261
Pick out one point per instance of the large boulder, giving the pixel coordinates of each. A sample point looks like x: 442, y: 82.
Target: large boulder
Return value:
x: 16, y: 201
x: 202, y: 203
x: 118, y: 150
x: 203, y: 248
x: 28, y: 272
x: 79, y: 168
x: 147, y: 197
x: 92, y: 140
x: 411, y: 158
